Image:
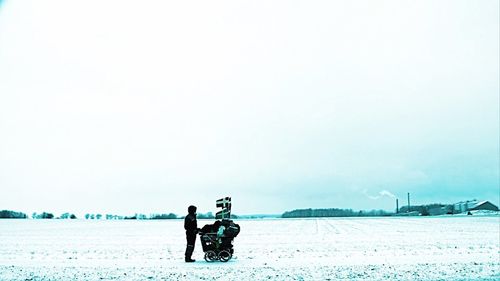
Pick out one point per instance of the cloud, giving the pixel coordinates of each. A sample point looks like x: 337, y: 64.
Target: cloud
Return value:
x: 156, y: 113
x: 382, y: 193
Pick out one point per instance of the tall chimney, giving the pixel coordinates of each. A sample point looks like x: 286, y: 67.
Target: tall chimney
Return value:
x: 408, y: 202
x: 397, y: 206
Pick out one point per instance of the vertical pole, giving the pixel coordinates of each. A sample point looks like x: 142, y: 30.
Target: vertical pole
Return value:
x: 397, y: 206
x: 408, y: 202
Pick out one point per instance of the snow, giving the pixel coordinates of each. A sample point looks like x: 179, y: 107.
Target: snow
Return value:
x: 395, y: 248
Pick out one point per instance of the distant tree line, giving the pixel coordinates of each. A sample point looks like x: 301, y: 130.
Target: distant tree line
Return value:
x: 169, y: 216
x: 163, y: 216
x: 6, y: 214
x: 136, y: 216
x: 208, y: 215
x: 93, y: 216
x: 68, y: 216
x: 332, y: 212
x: 43, y: 215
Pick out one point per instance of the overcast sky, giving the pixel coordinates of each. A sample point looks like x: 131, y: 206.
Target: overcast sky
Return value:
x: 149, y: 106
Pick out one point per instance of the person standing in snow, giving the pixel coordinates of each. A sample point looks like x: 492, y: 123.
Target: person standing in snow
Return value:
x: 191, y: 227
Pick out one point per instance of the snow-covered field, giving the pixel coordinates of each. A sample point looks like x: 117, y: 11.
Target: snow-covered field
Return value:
x: 415, y: 248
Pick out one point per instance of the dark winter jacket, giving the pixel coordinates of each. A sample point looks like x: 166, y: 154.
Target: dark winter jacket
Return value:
x: 190, y: 224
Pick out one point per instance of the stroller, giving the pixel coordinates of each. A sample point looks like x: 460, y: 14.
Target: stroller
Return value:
x: 218, y: 247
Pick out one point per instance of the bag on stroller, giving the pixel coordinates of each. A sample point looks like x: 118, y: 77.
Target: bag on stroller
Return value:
x: 216, y: 244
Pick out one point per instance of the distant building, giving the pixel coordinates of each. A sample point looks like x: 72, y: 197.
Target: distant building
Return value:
x: 464, y: 206
x: 448, y: 209
x: 484, y: 205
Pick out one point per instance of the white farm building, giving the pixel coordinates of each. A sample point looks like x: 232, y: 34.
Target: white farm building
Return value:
x: 474, y: 205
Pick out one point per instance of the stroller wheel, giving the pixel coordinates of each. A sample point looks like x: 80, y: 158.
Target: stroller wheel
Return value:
x: 210, y: 256
x: 225, y: 256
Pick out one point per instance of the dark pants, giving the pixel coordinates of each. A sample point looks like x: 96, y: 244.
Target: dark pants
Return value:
x: 191, y: 239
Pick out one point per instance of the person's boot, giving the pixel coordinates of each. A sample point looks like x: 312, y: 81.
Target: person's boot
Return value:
x: 189, y: 253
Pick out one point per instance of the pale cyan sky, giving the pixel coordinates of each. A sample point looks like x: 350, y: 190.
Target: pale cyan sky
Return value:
x: 149, y: 106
